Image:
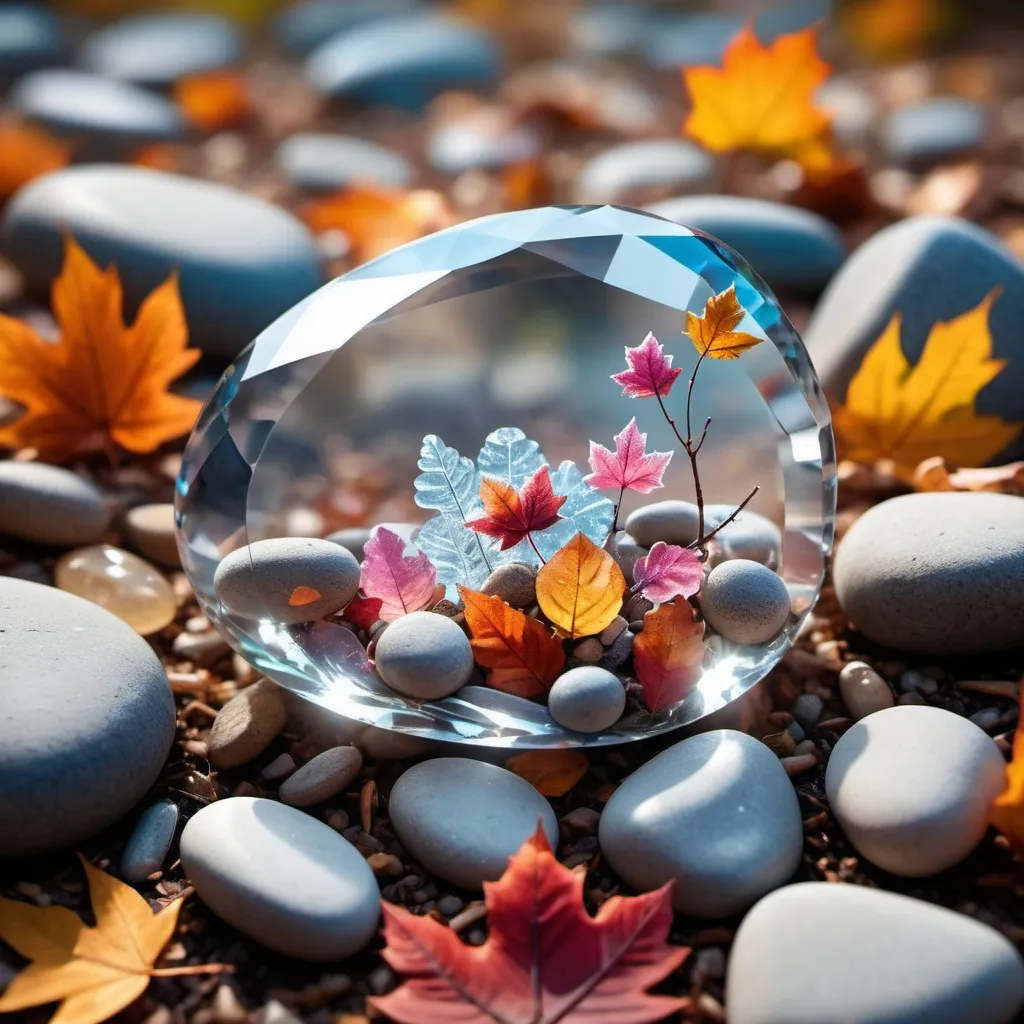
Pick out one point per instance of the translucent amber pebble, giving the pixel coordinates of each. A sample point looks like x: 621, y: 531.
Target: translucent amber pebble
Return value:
x: 121, y: 582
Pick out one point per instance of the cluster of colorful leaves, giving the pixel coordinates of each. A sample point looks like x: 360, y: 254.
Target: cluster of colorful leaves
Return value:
x: 545, y: 961
x: 905, y: 414
x: 103, y: 384
x: 93, y: 972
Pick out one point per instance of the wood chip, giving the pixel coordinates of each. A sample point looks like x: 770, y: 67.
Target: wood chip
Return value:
x: 367, y: 804
x: 1009, y: 691
x: 476, y: 911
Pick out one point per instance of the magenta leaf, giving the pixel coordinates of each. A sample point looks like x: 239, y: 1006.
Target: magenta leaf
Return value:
x: 630, y: 466
x: 403, y: 583
x: 668, y: 571
x: 650, y: 371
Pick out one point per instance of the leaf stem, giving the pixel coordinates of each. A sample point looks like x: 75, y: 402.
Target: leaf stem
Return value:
x: 615, y: 514
x: 177, y: 972
x: 543, y: 560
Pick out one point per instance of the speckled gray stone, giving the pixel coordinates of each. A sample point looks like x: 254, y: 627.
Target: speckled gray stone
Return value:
x: 717, y: 813
x: 938, y: 573
x: 150, y: 529
x: 819, y: 953
x: 149, y: 842
x: 912, y: 786
x: 257, y: 581
x: 864, y: 691
x: 749, y: 535
x: 745, y: 601
x: 514, y: 582
x: 242, y: 262
x: 463, y: 819
x: 424, y: 656
x: 326, y: 162
x: 587, y: 699
x: 629, y: 167
x: 322, y: 777
x: 281, y: 877
x: 49, y: 505
x: 86, y: 723
x: 674, y: 522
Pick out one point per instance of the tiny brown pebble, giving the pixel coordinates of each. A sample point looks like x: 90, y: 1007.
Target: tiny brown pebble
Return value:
x: 583, y: 819
x: 200, y: 648
x: 376, y: 629
x: 863, y: 690
x: 279, y: 768
x: 226, y: 1006
x: 617, y: 655
x: 385, y: 864
x: 611, y: 632
x: 798, y: 764
x: 515, y: 583
x: 781, y: 744
x: 806, y: 747
x: 636, y: 626
x: 446, y: 608
x: 476, y: 911
x: 636, y: 607
x: 911, y: 698
x: 450, y: 905
x: 326, y: 775
x: 246, y: 726
x: 338, y: 820
x: 589, y: 650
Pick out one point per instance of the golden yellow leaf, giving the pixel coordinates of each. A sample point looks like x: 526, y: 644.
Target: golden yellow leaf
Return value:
x: 103, y: 383
x: 910, y: 413
x: 550, y: 772
x: 762, y: 99
x: 92, y: 972
x: 712, y: 333
x: 1007, y: 813
x: 580, y: 588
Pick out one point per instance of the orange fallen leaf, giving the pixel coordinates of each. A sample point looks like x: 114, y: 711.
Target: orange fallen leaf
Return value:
x: 886, y: 29
x: 1007, y: 813
x: 102, y: 384
x: 936, y: 475
x: 762, y: 99
x: 524, y: 655
x: 27, y: 152
x: 580, y: 588
x: 545, y: 961
x: 713, y: 332
x: 550, y: 772
x: 376, y: 219
x: 214, y: 100
x: 92, y: 972
x: 909, y: 413
x: 668, y: 654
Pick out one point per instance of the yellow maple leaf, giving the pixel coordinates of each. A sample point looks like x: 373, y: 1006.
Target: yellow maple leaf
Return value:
x: 103, y: 383
x: 762, y: 99
x: 93, y: 972
x: 712, y: 333
x: 910, y: 413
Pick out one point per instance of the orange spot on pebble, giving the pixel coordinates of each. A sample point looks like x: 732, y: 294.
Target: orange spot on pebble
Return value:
x: 303, y: 595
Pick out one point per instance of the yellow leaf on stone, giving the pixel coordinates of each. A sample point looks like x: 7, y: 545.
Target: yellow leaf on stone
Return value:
x: 910, y: 413
x: 580, y: 588
x: 712, y: 333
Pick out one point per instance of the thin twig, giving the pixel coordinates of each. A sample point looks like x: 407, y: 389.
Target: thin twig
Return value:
x: 177, y: 972
x: 703, y: 435
x: 543, y: 560
x: 725, y: 522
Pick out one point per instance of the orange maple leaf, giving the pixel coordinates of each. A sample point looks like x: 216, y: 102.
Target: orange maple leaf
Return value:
x: 668, y: 654
x: 910, y: 413
x: 213, y: 100
x: 27, y: 152
x: 524, y: 656
x: 550, y: 772
x: 762, y: 99
x: 713, y: 332
x: 1007, y: 813
x: 545, y: 961
x: 103, y: 383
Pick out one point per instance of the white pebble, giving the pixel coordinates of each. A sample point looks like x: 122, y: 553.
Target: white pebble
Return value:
x: 424, y: 656
x: 744, y: 601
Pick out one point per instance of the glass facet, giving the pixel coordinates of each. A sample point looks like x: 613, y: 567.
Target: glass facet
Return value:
x: 514, y: 321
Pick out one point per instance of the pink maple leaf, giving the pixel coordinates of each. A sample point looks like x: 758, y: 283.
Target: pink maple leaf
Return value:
x: 668, y: 571
x: 650, y: 371
x: 630, y: 465
x: 403, y: 583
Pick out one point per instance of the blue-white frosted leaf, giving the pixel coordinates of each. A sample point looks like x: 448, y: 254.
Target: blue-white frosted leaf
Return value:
x: 448, y: 484
x: 508, y: 454
x: 585, y: 511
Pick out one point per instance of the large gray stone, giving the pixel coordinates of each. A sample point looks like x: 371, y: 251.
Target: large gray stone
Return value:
x: 241, y: 261
x: 463, y: 819
x: 281, y: 877
x: 928, y: 269
x: 716, y: 813
x: 86, y: 718
x: 938, y: 573
x: 788, y: 247
x: 820, y: 953
x: 327, y: 162
x: 50, y: 505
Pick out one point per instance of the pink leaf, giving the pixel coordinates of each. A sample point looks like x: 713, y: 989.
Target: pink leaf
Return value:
x: 404, y: 583
x: 650, y: 371
x: 668, y: 571
x: 629, y: 465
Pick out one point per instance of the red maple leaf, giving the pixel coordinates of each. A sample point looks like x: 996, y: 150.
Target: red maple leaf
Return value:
x: 650, y: 372
x: 545, y: 961
x: 513, y: 515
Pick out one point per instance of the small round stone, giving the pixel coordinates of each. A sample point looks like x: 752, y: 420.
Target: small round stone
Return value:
x: 424, y: 656
x: 324, y: 776
x: 674, y: 522
x: 514, y: 582
x: 246, y: 725
x: 463, y: 819
x: 288, y: 579
x: 618, y: 652
x: 745, y: 601
x: 912, y: 786
x: 807, y: 709
x: 589, y: 650
x: 864, y: 691
x: 282, y: 878
x: 86, y: 723
x: 48, y: 505
x: 587, y: 699
x: 150, y: 529
x: 717, y: 813
x: 122, y: 583
x: 150, y: 840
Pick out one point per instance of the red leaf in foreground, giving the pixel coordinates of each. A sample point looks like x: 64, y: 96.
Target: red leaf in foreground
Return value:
x: 668, y: 654
x: 546, y: 961
x: 404, y: 583
x: 512, y: 515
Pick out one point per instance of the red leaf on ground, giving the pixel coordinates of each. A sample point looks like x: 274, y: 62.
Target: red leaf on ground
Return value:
x: 545, y: 961
x: 511, y: 515
x: 668, y: 653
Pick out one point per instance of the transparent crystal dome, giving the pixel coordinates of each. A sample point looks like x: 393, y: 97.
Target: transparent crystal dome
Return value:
x: 512, y: 324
